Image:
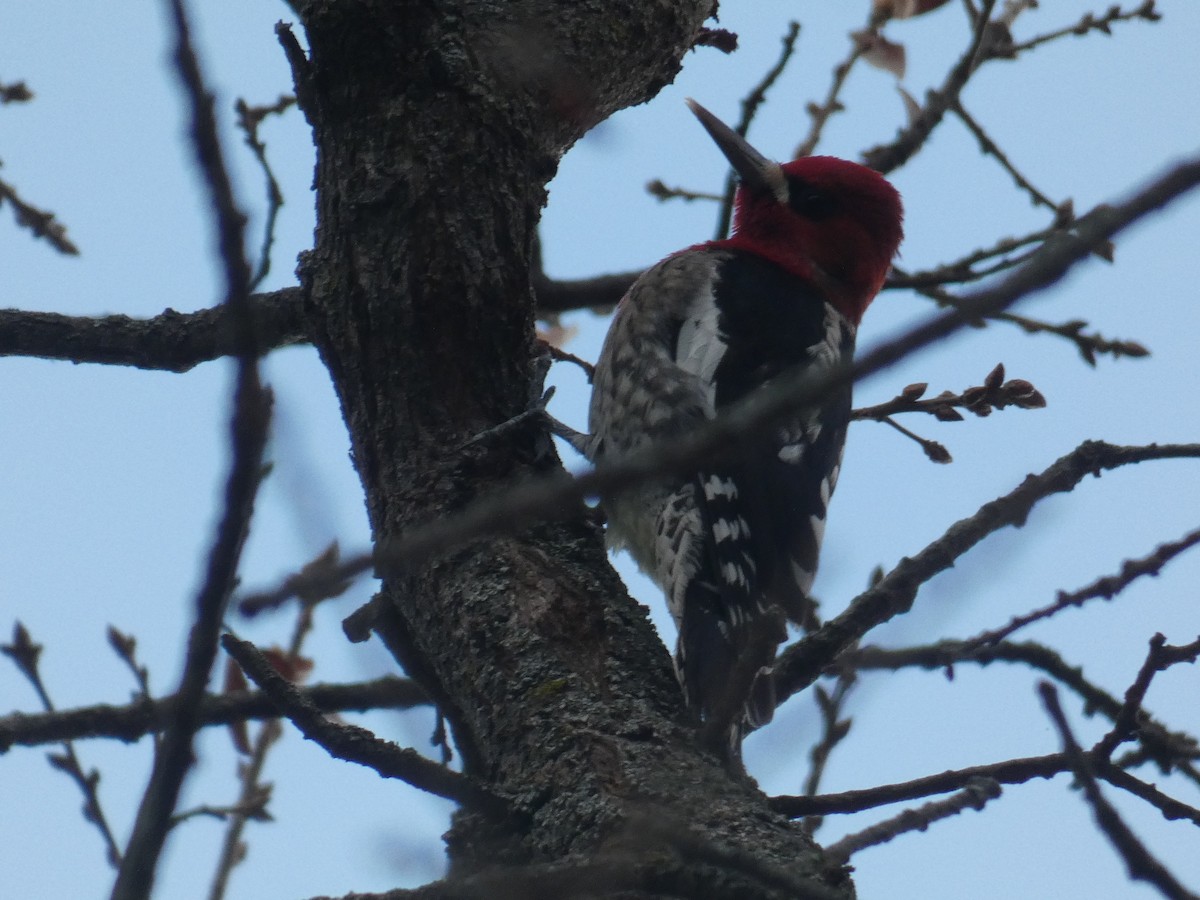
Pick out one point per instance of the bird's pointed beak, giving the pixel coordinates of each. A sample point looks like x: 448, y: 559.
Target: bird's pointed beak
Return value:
x: 755, y: 170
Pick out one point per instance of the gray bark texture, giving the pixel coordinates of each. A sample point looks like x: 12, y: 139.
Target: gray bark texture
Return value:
x: 437, y: 127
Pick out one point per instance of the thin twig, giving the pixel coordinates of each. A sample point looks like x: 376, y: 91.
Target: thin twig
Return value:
x: 662, y: 192
x: 253, y: 794
x: 249, y: 118
x: 1169, y: 750
x: 963, y: 271
x: 990, y: 148
x: 355, y: 744
x: 804, y: 661
x: 833, y: 731
x: 975, y: 795
x: 25, y: 655
x: 1090, y: 22
x: 41, y: 223
x: 1127, y: 720
x: 821, y: 113
x: 889, y: 157
x: 1102, y: 588
x: 1010, y: 771
x: 750, y: 105
x: 1139, y: 862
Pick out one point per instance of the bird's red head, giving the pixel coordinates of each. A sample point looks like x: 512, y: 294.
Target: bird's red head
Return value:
x: 834, y: 223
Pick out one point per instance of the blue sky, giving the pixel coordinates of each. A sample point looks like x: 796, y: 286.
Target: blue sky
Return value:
x: 109, y: 478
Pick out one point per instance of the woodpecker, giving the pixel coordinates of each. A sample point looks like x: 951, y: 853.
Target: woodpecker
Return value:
x: 734, y: 544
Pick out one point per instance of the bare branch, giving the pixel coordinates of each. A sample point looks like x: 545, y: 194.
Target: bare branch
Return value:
x: 355, y: 744
x: 820, y: 113
x: 994, y: 393
x: 1128, y: 718
x: 975, y: 796
x: 984, y: 43
x: 599, y: 294
x: 25, y: 655
x: 171, y: 341
x: 248, y: 427
x: 662, y: 192
x: 1104, y: 588
x: 1089, y: 345
x: 750, y: 105
x: 990, y: 148
x: 1171, y: 809
x: 1089, y: 23
x: 249, y: 118
x: 1139, y: 862
x: 834, y: 730
x: 804, y: 661
x: 1167, y: 749
x: 42, y: 223
x: 142, y: 717
x: 1010, y: 771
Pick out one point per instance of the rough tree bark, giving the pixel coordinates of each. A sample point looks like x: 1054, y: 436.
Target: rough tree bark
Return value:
x: 437, y: 127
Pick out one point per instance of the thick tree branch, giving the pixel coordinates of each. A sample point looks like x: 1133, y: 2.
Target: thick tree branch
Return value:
x: 171, y: 341
x: 598, y: 294
x: 248, y: 435
x: 135, y: 720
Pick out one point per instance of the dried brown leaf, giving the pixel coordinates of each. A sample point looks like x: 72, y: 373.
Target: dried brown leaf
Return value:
x: 880, y: 52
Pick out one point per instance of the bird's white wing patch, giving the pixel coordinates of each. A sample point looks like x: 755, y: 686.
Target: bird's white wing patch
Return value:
x: 701, y: 345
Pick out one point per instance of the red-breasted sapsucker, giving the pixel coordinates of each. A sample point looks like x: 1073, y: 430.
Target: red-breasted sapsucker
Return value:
x: 734, y: 544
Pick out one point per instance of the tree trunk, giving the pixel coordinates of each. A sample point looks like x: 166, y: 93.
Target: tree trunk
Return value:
x: 437, y: 127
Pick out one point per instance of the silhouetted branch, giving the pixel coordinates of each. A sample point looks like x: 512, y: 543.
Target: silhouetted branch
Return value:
x: 985, y: 40
x: 170, y: 341
x: 25, y: 655
x: 249, y: 118
x: 1139, y: 862
x: 975, y: 796
x: 803, y: 662
x: 1091, y: 22
x: 750, y: 105
x: 248, y: 435
x: 990, y: 148
x: 135, y: 720
x: 994, y: 393
x: 1128, y: 719
x: 355, y: 744
x: 1167, y: 749
x: 41, y: 223
x: 1103, y: 588
x: 599, y: 294
x: 1010, y: 771
x: 820, y: 113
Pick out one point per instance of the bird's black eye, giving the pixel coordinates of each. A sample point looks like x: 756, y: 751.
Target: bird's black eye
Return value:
x: 810, y: 201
